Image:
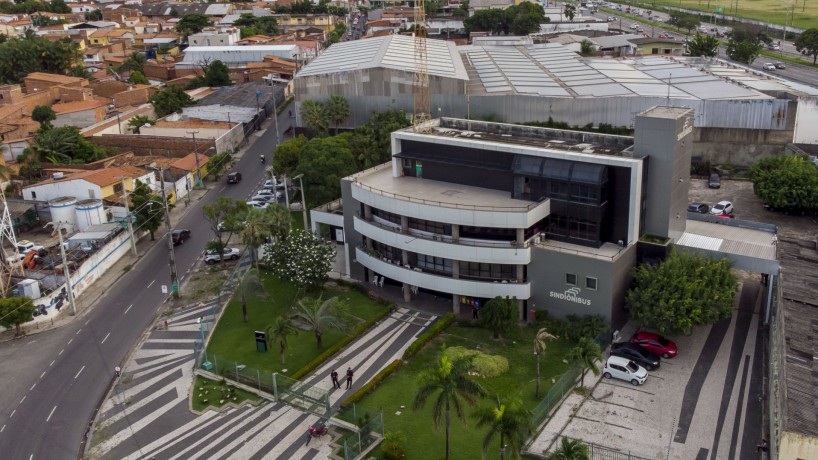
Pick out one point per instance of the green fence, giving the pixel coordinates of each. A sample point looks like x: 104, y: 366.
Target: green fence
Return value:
x: 597, y: 452
x: 563, y: 385
x: 370, y: 433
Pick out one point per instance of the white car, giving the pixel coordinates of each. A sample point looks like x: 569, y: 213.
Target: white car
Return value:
x: 258, y: 204
x: 212, y: 257
x: 768, y: 66
x: 634, y: 26
x: 722, y: 208
x: 621, y: 368
x: 264, y: 198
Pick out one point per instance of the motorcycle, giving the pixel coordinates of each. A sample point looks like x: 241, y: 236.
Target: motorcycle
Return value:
x: 317, y: 430
x: 262, y: 159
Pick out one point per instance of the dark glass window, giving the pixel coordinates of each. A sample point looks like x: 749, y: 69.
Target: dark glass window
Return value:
x: 571, y: 279
x: 430, y: 226
x: 437, y: 264
x: 486, y: 233
x: 590, y: 283
x: 385, y: 215
x: 483, y: 270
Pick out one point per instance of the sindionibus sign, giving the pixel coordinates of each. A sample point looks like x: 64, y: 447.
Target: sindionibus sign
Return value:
x: 571, y: 295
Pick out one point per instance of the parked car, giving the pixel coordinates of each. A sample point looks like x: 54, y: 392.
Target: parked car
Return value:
x: 611, y: 19
x: 722, y: 207
x: 212, y: 256
x: 270, y: 184
x: 264, y: 198
x: 634, y: 26
x: 624, y: 369
x: 780, y: 65
x: 655, y: 343
x: 700, y: 208
x: 637, y: 354
x: 234, y: 178
x: 268, y: 192
x: 258, y: 204
x: 179, y: 236
x: 715, y: 181
x: 768, y: 66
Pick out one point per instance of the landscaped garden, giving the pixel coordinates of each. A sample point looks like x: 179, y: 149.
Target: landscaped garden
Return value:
x: 395, y: 396
x: 234, y: 338
x: 207, y: 393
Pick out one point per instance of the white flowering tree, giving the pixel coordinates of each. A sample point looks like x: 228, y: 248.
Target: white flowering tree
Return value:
x: 302, y: 258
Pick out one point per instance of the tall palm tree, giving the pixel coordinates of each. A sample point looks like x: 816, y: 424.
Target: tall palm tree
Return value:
x: 450, y: 380
x: 255, y: 231
x: 586, y: 354
x: 539, y: 348
x: 337, y: 110
x: 279, y: 330
x: 570, y: 449
x: 510, y: 421
x: 250, y: 278
x: 319, y: 315
x: 315, y: 118
x: 279, y: 221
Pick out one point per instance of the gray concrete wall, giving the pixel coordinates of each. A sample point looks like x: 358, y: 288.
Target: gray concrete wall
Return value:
x: 352, y: 238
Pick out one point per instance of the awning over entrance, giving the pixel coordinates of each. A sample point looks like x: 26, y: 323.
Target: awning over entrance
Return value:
x: 750, y: 246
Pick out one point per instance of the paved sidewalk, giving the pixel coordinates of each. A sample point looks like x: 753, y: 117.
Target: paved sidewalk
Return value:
x: 147, y: 414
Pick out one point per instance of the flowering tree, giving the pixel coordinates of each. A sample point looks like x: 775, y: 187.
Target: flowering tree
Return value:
x: 302, y: 258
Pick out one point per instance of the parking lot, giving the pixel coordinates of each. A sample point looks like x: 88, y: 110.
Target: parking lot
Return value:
x: 707, y: 402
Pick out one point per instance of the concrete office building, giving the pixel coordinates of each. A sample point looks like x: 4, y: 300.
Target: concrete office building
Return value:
x: 472, y: 210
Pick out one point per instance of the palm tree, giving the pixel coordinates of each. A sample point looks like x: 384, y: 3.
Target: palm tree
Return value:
x: 393, y: 444
x: 318, y: 315
x: 450, y: 380
x: 509, y: 420
x: 279, y: 221
x: 337, y: 110
x: 539, y: 348
x: 314, y: 115
x: 281, y: 328
x: 255, y: 231
x: 586, y: 353
x: 250, y: 277
x: 570, y: 449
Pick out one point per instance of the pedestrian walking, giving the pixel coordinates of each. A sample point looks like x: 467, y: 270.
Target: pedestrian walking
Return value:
x: 763, y: 446
x: 166, y: 324
x: 349, y: 378
x: 117, y: 371
x: 334, y: 376
x: 474, y: 313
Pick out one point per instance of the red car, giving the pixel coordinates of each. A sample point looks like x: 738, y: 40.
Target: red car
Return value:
x: 655, y: 343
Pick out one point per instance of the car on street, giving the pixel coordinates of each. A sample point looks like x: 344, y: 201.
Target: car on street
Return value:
x: 258, y: 204
x: 722, y: 208
x: 179, y: 236
x: 234, y: 178
x: 212, y: 256
x: 714, y: 181
x: 634, y: 26
x: 624, y: 369
x: 780, y: 65
x: 611, y: 19
x: 700, y: 208
x: 768, y: 66
x: 655, y: 343
x: 637, y: 354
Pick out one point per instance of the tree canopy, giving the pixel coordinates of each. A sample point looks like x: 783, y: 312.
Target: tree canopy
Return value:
x: 64, y: 145
x: 302, y: 258
x: 192, y: 23
x: 169, y: 100
x: 683, y: 291
x: 15, y: 311
x: 684, y: 20
x: 786, y: 182
x: 216, y: 74
x: 499, y: 315
x: 138, y: 78
x: 147, y: 208
x: 44, y: 115
x: 807, y: 43
x: 744, y: 51
x: 521, y: 19
x: 21, y: 56
x: 324, y: 162
x: 703, y: 45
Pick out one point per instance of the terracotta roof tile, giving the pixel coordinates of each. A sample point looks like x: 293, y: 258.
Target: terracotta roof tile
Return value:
x: 76, y: 106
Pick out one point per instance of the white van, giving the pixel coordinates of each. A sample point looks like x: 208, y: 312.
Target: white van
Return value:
x: 624, y: 369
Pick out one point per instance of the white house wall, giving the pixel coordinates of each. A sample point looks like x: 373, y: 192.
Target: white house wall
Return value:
x: 77, y: 188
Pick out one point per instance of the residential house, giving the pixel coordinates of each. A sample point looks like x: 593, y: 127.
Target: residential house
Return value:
x: 106, y: 37
x: 650, y: 45
x: 79, y: 113
x: 302, y: 22
x: 616, y: 45
x: 93, y: 184
x: 211, y: 36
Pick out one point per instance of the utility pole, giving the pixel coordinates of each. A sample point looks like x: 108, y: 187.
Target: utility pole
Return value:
x: 275, y: 114
x: 128, y: 216
x: 58, y: 227
x: 172, y: 258
x: 300, y: 178
x: 196, y: 154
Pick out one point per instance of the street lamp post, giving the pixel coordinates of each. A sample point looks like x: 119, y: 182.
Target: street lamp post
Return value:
x: 206, y: 365
x: 196, y: 153
x: 275, y: 114
x: 128, y: 215
x: 172, y: 258
x: 58, y: 227
x: 300, y: 178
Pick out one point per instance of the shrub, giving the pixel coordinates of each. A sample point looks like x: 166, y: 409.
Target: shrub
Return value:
x: 326, y: 354
x: 373, y: 383
x: 439, y: 326
x: 486, y: 365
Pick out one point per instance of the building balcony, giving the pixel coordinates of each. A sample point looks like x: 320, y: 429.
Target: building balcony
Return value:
x: 446, y: 202
x: 467, y: 287
x: 471, y: 250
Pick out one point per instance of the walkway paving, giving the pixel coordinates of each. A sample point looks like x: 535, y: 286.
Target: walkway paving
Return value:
x: 147, y: 414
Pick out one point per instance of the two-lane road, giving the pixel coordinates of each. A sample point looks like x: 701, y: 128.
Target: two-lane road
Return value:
x: 53, y: 381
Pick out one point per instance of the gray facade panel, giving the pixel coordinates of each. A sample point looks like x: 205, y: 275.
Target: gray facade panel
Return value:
x: 352, y: 238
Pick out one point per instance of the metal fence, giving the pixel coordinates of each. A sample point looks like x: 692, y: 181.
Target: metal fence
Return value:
x: 357, y: 443
x: 597, y: 452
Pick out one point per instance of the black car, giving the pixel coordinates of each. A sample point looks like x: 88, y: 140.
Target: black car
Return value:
x: 779, y: 65
x: 637, y: 354
x: 234, y: 178
x: 700, y: 208
x: 715, y: 181
x: 179, y: 236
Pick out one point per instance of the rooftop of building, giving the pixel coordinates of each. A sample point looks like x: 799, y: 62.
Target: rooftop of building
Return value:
x: 101, y: 177
x: 532, y: 136
x: 76, y: 106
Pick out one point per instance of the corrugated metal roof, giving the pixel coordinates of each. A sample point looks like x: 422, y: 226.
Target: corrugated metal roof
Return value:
x: 727, y: 239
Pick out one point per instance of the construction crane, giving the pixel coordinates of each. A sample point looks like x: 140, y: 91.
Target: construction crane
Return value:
x: 421, y: 91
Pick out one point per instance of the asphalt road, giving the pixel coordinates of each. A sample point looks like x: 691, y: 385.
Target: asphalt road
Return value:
x: 54, y: 380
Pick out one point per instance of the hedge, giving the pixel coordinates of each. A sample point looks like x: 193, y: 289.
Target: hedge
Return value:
x: 370, y: 386
x: 326, y: 354
x: 439, y: 326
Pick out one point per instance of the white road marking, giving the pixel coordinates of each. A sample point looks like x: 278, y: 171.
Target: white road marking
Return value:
x: 69, y: 342
x: 222, y: 189
x: 49, y: 415
x: 32, y: 387
x: 2, y: 429
x: 151, y: 283
x: 42, y: 375
x: 12, y: 413
x: 52, y: 363
x: 24, y: 398
x: 58, y: 354
x: 86, y: 323
x: 78, y: 373
x: 78, y: 331
x: 106, y: 338
x: 126, y: 310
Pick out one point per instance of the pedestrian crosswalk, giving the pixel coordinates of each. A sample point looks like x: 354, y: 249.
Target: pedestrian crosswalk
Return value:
x: 147, y: 414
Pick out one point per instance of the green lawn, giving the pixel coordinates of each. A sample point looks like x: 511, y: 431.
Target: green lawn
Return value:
x: 773, y: 11
x: 206, y: 392
x: 234, y: 339
x: 423, y: 442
